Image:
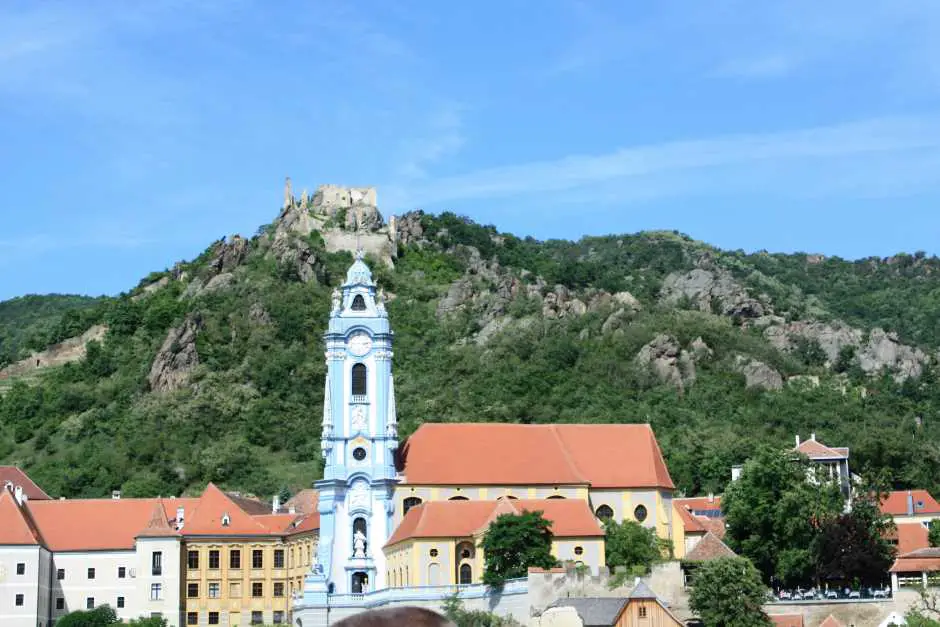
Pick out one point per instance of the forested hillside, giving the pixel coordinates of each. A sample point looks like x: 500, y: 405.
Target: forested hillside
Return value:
x: 213, y: 370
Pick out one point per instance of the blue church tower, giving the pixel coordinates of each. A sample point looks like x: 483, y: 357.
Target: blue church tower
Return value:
x: 359, y: 439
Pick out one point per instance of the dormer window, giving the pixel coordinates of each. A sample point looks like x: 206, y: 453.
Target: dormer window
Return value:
x: 226, y: 520
x: 359, y: 303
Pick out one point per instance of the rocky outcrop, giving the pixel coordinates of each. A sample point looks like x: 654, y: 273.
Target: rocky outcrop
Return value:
x: 407, y: 229
x: 59, y: 354
x: 880, y: 351
x: 294, y: 253
x: 218, y: 282
x: 615, y: 321
x: 458, y: 294
x: 757, y: 374
x: 700, y: 350
x: 150, y: 288
x: 711, y: 291
x: 560, y: 304
x: 665, y: 359
x: 258, y: 315
x: 228, y: 254
x: 176, y: 358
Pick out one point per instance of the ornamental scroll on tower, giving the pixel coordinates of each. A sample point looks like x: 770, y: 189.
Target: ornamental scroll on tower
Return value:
x: 358, y: 441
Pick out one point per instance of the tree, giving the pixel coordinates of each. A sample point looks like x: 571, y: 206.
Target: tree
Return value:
x: 462, y: 617
x: 853, y: 546
x: 152, y: 621
x: 513, y: 543
x: 771, y: 510
x: 632, y: 546
x: 101, y: 616
x: 728, y: 592
x: 933, y: 533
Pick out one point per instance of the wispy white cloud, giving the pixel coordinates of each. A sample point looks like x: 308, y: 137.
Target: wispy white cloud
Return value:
x: 442, y: 138
x: 771, y: 162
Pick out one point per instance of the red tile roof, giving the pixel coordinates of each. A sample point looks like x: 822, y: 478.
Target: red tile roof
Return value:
x: 15, y: 524
x: 690, y: 523
x: 701, y: 503
x: 12, y: 474
x: 463, y: 519
x: 98, y: 524
x: 787, y: 620
x: 603, y: 456
x: 817, y: 450
x: 158, y: 526
x: 713, y: 525
x: 212, y: 507
x: 710, y: 547
x: 831, y: 621
x: 921, y: 560
x: 895, y: 503
x: 304, y: 502
x: 910, y: 537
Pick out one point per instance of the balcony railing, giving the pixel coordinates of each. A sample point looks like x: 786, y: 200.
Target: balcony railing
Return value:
x: 358, y: 399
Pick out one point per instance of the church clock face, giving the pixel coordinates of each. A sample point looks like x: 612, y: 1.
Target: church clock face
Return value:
x: 360, y: 344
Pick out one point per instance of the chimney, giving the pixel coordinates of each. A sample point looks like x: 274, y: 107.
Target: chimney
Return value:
x: 180, y: 517
x: 910, y: 503
x: 812, y: 436
x: 18, y: 494
x: 291, y: 510
x: 116, y: 494
x: 275, y: 504
x: 797, y: 440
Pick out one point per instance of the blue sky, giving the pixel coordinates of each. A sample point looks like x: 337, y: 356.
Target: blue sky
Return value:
x: 132, y: 134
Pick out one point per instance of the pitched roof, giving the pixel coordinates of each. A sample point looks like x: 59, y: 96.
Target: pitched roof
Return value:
x: 709, y: 548
x: 690, y: 523
x: 594, y: 611
x: 15, y: 524
x: 895, y: 503
x: 787, y: 620
x: 714, y: 525
x: 641, y: 591
x: 304, y: 502
x: 831, y: 621
x: 212, y: 507
x: 910, y: 537
x: 158, y: 526
x: 462, y: 519
x: 98, y: 524
x: 603, y: 456
x: 12, y: 474
x: 817, y: 450
x: 921, y: 560
x: 700, y: 503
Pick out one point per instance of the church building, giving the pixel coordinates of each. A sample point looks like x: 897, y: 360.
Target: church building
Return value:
x: 394, y: 517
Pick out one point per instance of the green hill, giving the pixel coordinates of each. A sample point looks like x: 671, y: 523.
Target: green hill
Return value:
x: 213, y: 370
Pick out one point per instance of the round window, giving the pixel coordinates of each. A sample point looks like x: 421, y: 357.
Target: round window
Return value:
x: 640, y: 513
x: 578, y: 550
x: 359, y: 454
x: 433, y: 552
x: 465, y: 554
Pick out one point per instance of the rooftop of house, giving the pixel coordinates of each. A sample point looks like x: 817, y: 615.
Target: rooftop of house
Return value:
x: 598, y: 455
x: 919, y: 561
x: 605, y: 611
x: 910, y: 537
x: 909, y: 502
x: 116, y: 523
x: 831, y: 621
x: 787, y: 620
x: 13, y: 476
x: 817, y: 451
x: 710, y: 547
x: 465, y: 519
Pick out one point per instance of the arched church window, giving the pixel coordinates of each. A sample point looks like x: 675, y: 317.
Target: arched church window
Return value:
x: 359, y: 376
x: 466, y: 574
x: 604, y: 512
x: 360, y: 582
x: 411, y: 501
x: 640, y: 513
x: 359, y: 303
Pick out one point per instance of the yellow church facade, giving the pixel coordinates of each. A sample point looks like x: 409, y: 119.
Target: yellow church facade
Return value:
x: 456, y: 478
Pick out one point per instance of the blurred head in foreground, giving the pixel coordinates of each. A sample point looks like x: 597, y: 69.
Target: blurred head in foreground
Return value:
x: 396, y: 617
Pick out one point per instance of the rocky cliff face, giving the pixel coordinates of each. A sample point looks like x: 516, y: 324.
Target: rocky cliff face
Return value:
x: 177, y: 357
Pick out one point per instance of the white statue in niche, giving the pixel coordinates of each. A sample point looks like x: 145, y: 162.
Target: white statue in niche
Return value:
x: 359, y: 544
x: 359, y: 495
